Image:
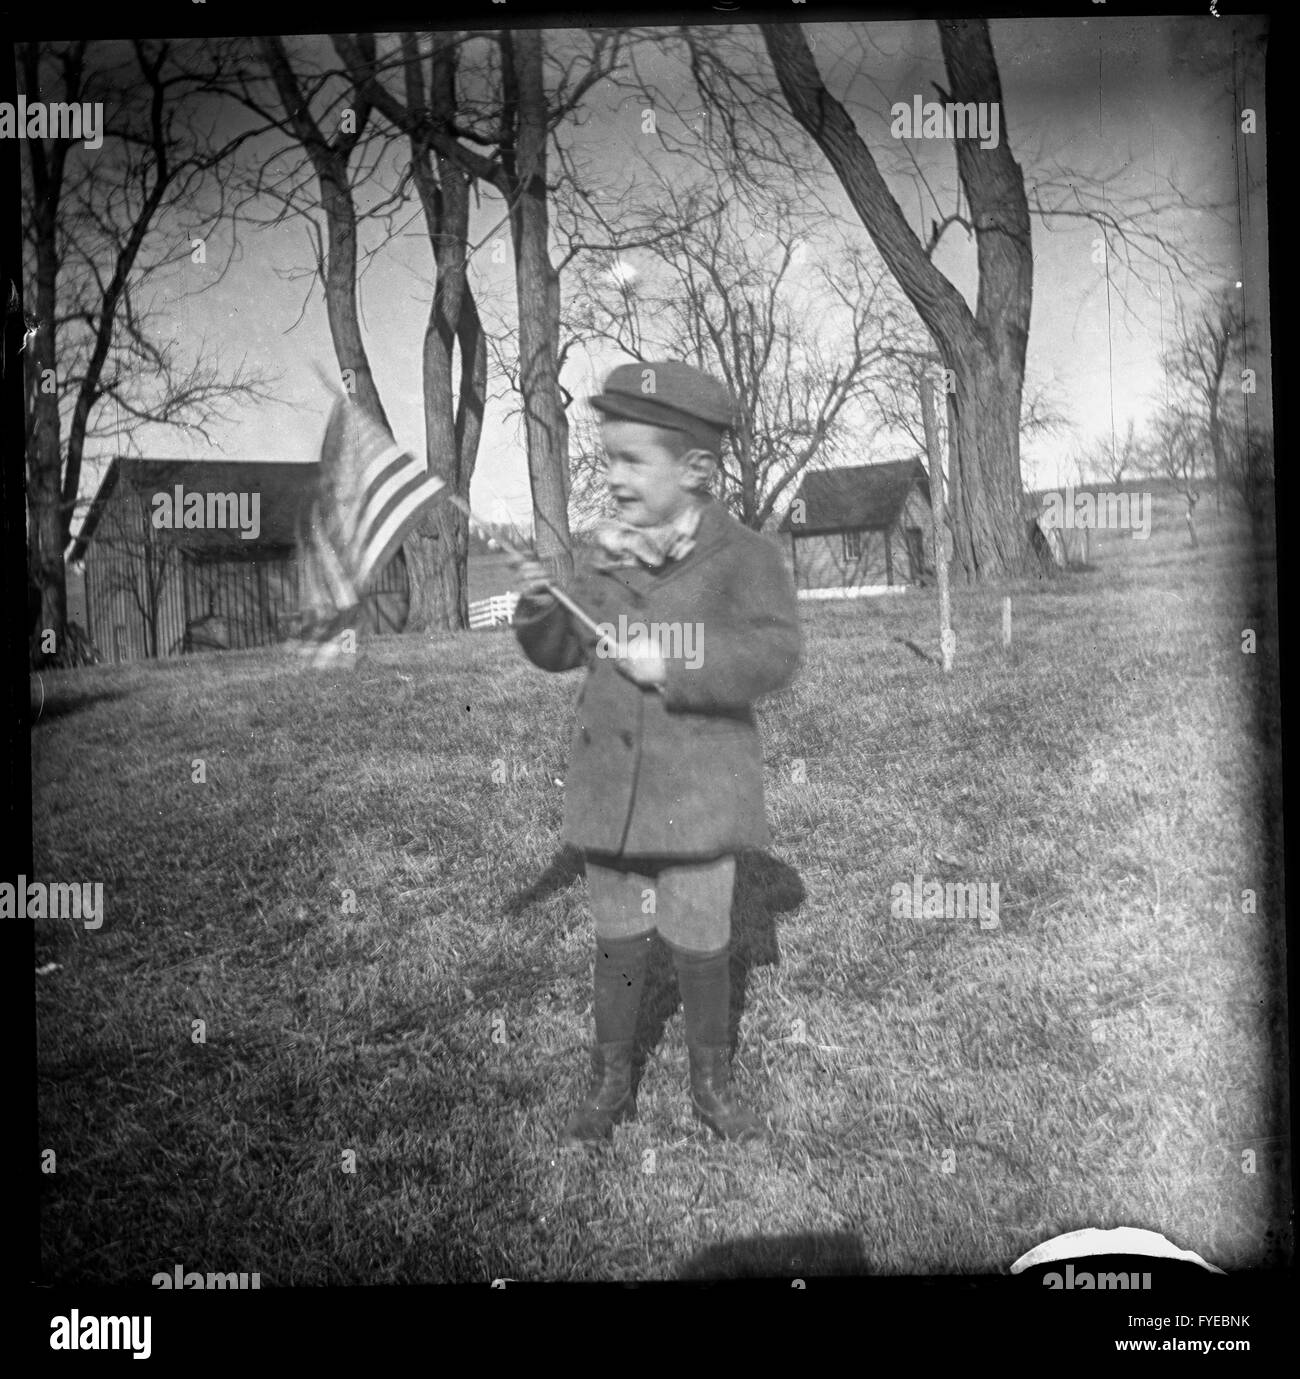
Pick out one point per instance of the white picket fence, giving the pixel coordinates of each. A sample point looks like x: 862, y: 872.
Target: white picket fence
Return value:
x: 854, y: 591
x: 498, y: 611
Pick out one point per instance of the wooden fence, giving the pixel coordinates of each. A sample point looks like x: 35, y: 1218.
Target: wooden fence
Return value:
x: 498, y: 611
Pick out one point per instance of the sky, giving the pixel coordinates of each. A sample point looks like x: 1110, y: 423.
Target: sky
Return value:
x: 1144, y: 104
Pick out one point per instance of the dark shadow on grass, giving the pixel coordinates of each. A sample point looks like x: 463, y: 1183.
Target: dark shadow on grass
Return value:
x: 917, y: 650
x: 765, y: 888
x: 564, y: 869
x: 811, y: 1254
x: 56, y: 705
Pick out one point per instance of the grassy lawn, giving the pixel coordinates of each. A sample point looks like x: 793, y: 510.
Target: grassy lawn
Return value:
x: 392, y: 960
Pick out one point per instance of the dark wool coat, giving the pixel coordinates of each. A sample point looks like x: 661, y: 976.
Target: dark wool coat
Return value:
x: 677, y: 774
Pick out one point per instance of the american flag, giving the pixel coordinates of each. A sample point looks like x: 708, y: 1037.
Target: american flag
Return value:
x: 369, y: 496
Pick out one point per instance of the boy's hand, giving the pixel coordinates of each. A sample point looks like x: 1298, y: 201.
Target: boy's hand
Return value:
x: 532, y: 576
x: 641, y: 664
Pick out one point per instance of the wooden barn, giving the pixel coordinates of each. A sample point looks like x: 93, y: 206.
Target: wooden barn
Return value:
x: 861, y: 529
x: 198, y: 555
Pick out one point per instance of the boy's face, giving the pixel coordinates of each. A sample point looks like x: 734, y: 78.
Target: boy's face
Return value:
x: 649, y: 478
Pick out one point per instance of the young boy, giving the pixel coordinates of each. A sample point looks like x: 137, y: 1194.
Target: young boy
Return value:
x: 665, y: 775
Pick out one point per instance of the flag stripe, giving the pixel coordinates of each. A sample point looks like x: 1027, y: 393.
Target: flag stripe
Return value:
x: 390, y: 459
x: 383, y: 545
x: 370, y: 494
x: 383, y: 499
x: 391, y: 464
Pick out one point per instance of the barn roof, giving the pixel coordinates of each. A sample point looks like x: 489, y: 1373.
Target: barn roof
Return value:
x: 283, y: 487
x: 861, y: 497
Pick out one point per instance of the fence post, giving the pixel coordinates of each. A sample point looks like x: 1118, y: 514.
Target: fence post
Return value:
x: 947, y: 637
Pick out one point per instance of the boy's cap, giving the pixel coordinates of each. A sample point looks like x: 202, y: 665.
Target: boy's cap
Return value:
x: 670, y: 394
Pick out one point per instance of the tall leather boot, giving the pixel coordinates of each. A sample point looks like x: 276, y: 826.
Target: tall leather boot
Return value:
x: 704, y: 980
x: 619, y: 977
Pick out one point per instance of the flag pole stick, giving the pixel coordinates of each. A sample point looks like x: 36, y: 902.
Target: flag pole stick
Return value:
x: 584, y: 618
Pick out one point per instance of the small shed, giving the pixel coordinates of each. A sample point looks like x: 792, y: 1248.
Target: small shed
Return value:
x: 200, y: 555
x: 861, y: 528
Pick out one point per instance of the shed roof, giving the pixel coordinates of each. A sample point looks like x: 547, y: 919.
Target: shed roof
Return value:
x: 860, y: 497
x: 284, y: 489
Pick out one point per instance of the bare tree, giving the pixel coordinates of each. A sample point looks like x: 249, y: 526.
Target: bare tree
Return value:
x: 983, y: 349
x: 454, y: 338
x: 1206, y: 340
x: 1248, y: 469
x: 142, y: 559
x: 329, y: 111
x: 597, y: 217
x: 1247, y: 454
x: 801, y: 344
x: 1175, y: 446
x: 898, y: 396
x: 1103, y: 459
x: 589, y: 499
x: 329, y: 139
x: 504, y: 143
x: 99, y: 364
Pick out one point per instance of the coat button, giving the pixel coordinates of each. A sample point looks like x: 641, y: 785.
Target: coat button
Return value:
x: 627, y: 739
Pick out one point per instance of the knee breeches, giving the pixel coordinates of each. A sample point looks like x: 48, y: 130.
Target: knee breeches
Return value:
x: 689, y: 903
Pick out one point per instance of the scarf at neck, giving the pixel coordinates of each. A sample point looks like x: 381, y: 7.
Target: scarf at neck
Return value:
x: 624, y: 544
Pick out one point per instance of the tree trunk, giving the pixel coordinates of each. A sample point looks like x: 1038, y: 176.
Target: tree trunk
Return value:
x: 1216, y: 444
x: 330, y: 160
x: 537, y: 291
x: 990, y: 535
x: 953, y: 506
x: 439, y: 549
x: 986, y: 351
x: 47, y: 533
x: 747, y: 464
x: 50, y: 524
x: 561, y: 417
x: 520, y: 177
x: 469, y: 416
x: 947, y: 641
x: 437, y: 552
x: 440, y: 593
x: 341, y: 294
